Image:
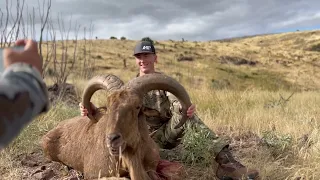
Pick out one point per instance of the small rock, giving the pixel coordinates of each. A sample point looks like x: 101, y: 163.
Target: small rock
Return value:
x: 44, y: 175
x: 74, y: 178
x: 113, y: 178
x: 29, y: 162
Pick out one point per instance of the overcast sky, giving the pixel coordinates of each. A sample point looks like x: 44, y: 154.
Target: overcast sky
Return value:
x: 191, y: 20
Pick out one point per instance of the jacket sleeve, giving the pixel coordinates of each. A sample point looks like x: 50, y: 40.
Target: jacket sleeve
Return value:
x: 175, y: 105
x: 23, y: 96
x: 176, y: 108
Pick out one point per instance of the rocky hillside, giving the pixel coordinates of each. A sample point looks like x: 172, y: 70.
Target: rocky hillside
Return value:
x: 277, y: 61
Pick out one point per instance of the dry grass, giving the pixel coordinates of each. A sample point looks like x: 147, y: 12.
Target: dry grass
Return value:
x: 240, y: 102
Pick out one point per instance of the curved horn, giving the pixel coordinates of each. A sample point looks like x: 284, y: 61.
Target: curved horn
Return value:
x: 107, y: 82
x: 148, y: 82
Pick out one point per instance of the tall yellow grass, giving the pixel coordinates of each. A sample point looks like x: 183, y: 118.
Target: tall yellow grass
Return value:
x: 235, y: 110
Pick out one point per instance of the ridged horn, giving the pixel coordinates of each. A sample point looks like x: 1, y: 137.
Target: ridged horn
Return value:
x: 107, y: 82
x: 158, y: 81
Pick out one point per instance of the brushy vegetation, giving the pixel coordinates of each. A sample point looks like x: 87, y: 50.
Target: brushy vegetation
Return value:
x: 282, y: 141
x: 260, y: 93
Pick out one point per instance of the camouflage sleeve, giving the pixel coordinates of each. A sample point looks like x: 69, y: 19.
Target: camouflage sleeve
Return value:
x: 174, y: 103
x: 23, y: 96
x: 176, y: 108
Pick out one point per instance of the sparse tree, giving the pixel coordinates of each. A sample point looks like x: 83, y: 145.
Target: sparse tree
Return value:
x: 147, y: 39
x: 43, y: 20
x: 112, y: 37
x: 58, y: 59
x: 10, y: 32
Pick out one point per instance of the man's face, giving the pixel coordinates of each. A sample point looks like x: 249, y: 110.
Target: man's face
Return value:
x: 146, y: 61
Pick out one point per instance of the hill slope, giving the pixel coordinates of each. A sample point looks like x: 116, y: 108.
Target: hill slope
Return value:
x: 277, y: 61
x: 280, y: 137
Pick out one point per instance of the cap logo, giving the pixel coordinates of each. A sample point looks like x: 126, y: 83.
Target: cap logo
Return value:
x: 146, y: 47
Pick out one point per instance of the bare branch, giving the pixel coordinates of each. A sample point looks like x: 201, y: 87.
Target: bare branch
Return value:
x: 1, y: 40
x: 19, y: 20
x: 77, y: 28
x: 43, y: 24
x: 4, y: 33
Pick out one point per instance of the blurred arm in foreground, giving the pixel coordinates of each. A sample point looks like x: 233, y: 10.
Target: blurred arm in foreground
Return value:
x: 23, y: 94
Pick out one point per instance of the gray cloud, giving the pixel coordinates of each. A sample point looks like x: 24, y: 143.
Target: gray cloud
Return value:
x: 189, y: 19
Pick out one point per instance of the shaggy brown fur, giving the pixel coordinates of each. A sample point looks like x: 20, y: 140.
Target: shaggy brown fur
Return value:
x: 94, y: 144
x: 83, y: 145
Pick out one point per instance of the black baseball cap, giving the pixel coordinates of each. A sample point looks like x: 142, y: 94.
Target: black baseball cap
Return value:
x: 144, y: 47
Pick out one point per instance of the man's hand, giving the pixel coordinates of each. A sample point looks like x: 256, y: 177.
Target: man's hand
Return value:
x: 191, y: 110
x: 23, y: 94
x: 29, y: 55
x: 84, y: 111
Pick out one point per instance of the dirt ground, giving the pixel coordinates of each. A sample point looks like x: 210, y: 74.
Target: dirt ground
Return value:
x: 66, y: 93
x: 36, y: 167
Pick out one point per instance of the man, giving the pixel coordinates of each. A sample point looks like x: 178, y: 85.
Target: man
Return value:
x: 23, y: 94
x: 169, y: 108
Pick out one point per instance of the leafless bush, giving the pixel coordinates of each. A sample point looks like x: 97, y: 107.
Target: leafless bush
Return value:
x: 65, y: 54
x: 237, y: 60
x: 58, y: 51
x: 281, y: 102
x: 44, y: 21
x: 88, y: 62
x: 10, y: 24
x: 315, y: 47
x: 185, y: 58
